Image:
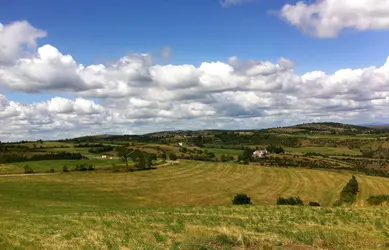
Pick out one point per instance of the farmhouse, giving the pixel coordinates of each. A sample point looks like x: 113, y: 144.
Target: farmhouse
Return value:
x: 260, y: 153
x: 104, y: 157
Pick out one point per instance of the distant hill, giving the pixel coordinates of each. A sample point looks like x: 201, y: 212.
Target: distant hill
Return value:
x: 322, y: 128
x: 326, y: 128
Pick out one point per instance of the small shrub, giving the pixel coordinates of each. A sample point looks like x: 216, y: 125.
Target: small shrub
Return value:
x: 314, y: 204
x: 28, y: 170
x: 241, y: 199
x: 291, y: 201
x: 378, y: 200
x: 52, y: 170
x: 65, y: 169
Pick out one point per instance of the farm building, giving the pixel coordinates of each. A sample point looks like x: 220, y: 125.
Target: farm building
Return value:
x: 260, y: 153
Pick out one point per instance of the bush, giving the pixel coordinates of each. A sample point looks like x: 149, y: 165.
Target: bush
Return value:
x: 65, y: 169
x: 349, y: 192
x: 291, y: 201
x: 173, y: 156
x: 241, y: 199
x: 84, y: 167
x: 378, y: 200
x: 314, y: 204
x: 28, y: 170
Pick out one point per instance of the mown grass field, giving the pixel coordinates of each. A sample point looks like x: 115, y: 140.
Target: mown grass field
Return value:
x: 57, y: 165
x: 149, y: 209
x: 324, y: 150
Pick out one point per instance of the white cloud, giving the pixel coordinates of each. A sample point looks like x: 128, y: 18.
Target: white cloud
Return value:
x: 327, y: 18
x: 15, y: 38
x: 135, y: 94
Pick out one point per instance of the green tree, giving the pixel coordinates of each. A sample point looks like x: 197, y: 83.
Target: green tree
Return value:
x: 241, y: 199
x: 125, y: 154
x: 173, y: 156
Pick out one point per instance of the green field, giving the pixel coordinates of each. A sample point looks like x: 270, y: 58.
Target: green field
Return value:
x: 149, y: 209
x: 224, y: 151
x: 324, y: 150
x: 57, y: 165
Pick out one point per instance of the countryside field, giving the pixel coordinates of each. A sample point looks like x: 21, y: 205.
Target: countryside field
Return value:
x: 57, y: 165
x: 324, y: 150
x: 149, y: 209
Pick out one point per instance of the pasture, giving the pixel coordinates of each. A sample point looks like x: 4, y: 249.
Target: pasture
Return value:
x: 224, y: 151
x: 187, y: 206
x: 209, y: 184
x: 324, y: 150
x: 57, y: 165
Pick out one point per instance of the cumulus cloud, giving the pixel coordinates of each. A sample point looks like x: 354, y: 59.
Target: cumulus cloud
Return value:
x: 15, y: 40
x: 136, y: 95
x: 327, y: 18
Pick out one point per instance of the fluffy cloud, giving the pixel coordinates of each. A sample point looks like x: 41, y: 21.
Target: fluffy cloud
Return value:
x: 135, y: 95
x: 327, y: 18
x: 16, y: 36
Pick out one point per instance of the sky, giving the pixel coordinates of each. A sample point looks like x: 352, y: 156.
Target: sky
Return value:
x: 73, y: 68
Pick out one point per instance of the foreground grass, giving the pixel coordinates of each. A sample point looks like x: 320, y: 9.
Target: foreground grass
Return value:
x: 155, y: 210
x: 257, y: 227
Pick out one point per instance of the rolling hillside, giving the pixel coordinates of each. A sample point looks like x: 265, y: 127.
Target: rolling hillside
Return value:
x: 149, y: 210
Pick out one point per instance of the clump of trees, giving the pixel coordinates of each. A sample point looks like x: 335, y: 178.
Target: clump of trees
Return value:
x: 172, y: 156
x: 57, y: 156
x: 141, y: 159
x: 349, y: 192
x: 84, y: 167
x: 275, y: 150
x: 241, y: 199
x: 291, y: 201
x: 99, y: 150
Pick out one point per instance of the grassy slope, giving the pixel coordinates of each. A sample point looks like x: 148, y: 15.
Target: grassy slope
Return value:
x: 222, y: 151
x: 112, y: 210
x: 324, y: 150
x: 57, y: 165
x: 207, y: 184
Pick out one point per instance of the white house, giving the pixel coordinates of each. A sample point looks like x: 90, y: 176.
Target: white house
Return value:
x: 180, y: 144
x: 103, y: 157
x: 260, y: 153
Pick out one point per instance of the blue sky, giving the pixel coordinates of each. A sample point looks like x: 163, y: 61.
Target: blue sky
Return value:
x: 255, y: 93
x: 197, y: 31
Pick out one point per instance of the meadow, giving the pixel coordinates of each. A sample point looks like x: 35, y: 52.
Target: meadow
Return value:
x: 57, y: 165
x: 324, y: 150
x: 187, y: 206
x: 224, y: 151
